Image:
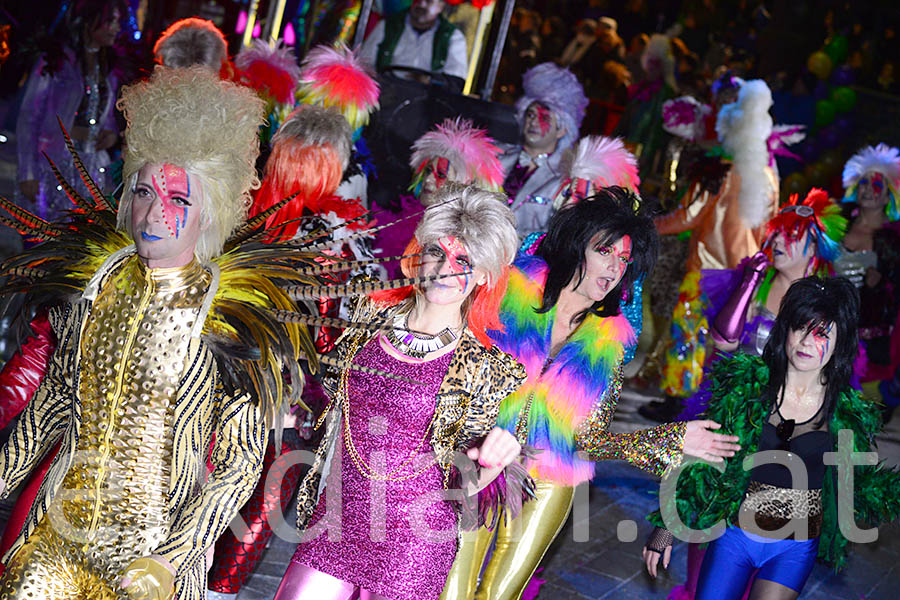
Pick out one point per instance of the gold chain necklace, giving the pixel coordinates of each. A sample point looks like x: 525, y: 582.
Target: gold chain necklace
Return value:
x: 361, y: 465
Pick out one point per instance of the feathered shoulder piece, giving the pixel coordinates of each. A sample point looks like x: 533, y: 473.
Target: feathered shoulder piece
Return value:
x: 335, y: 77
x: 603, y: 161
x: 67, y: 254
x: 819, y: 216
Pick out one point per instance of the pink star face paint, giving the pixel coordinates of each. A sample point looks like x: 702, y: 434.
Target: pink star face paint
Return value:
x: 173, y: 187
x: 166, y: 203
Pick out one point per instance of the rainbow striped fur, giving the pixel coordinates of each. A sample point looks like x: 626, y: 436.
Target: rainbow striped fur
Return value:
x: 577, y: 379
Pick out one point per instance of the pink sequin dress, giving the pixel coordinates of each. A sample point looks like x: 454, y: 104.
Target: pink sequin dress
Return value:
x: 389, y: 418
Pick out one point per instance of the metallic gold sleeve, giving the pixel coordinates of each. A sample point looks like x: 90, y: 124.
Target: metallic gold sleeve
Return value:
x: 688, y: 215
x: 653, y: 450
x: 46, y: 415
x: 237, y: 458
x: 150, y: 580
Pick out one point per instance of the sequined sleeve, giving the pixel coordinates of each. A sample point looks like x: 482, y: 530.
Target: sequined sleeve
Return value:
x: 653, y: 450
x: 237, y: 460
x: 46, y: 416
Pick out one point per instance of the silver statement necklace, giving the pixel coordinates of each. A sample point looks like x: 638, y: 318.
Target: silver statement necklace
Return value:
x: 413, y: 344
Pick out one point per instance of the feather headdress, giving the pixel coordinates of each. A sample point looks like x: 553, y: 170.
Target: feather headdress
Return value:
x: 603, y: 161
x: 816, y: 215
x: 559, y: 90
x: 272, y: 72
x: 334, y: 77
x: 470, y: 151
x: 744, y: 128
x: 881, y: 159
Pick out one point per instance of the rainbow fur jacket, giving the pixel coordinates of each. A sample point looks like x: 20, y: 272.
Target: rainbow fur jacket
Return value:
x: 571, y: 403
x: 705, y: 496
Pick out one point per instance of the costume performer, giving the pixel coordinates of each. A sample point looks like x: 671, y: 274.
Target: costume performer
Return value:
x: 871, y: 260
x: 420, y: 38
x: 454, y: 150
x: 725, y: 218
x: 594, y: 163
x: 309, y: 153
x: 561, y: 319
x: 76, y: 83
x: 334, y: 77
x: 397, y: 439
x: 802, y: 239
x: 166, y: 342
x: 794, y: 400
x: 549, y: 114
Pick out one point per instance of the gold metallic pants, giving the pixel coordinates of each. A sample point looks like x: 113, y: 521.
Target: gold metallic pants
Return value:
x: 521, y: 545
x: 48, y: 567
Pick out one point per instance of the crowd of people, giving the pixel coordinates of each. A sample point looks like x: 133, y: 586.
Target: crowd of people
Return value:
x: 216, y: 324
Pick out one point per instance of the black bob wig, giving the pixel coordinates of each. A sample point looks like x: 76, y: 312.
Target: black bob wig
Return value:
x: 809, y: 303
x: 614, y: 212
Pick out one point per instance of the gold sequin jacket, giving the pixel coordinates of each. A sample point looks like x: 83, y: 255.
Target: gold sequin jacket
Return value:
x: 132, y: 386
x: 468, y: 399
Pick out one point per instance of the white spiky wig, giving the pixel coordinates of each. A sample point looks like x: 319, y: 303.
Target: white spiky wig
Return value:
x: 744, y: 127
x: 189, y: 42
x: 190, y: 118
x: 479, y: 218
x: 603, y: 161
x: 469, y: 149
x: 660, y: 48
x: 559, y: 90
x: 882, y: 159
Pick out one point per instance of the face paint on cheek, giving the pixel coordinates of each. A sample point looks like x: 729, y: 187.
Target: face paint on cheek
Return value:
x: 544, y: 118
x: 170, y: 182
x: 442, y: 168
x: 453, y: 249
x: 823, y: 343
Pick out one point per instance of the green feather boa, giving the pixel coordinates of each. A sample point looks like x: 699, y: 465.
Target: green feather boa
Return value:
x: 705, y: 496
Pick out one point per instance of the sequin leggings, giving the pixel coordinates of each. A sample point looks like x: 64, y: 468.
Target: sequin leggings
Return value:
x: 521, y: 545
x: 235, y: 559
x: 305, y: 583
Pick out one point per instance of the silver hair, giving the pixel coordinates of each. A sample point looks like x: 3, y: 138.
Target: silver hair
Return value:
x: 481, y: 220
x: 189, y: 42
x: 318, y: 126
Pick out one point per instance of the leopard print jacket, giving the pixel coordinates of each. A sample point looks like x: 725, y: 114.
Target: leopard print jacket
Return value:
x: 468, y: 401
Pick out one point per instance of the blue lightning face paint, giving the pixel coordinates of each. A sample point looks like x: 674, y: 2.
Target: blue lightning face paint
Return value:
x: 173, y: 187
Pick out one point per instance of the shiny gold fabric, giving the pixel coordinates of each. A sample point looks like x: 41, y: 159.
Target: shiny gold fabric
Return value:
x: 719, y: 237
x: 112, y: 505
x: 49, y: 567
x: 521, y: 545
x: 149, y: 446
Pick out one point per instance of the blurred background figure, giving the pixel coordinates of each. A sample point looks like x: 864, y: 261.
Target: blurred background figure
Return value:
x: 76, y: 81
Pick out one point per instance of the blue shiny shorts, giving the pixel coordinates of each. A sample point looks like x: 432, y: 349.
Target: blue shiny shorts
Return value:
x: 730, y: 561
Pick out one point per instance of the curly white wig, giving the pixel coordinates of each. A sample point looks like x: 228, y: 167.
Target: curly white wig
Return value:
x: 480, y: 219
x: 559, y: 90
x: 190, y: 118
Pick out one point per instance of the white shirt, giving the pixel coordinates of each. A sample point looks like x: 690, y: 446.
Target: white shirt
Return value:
x: 414, y: 49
